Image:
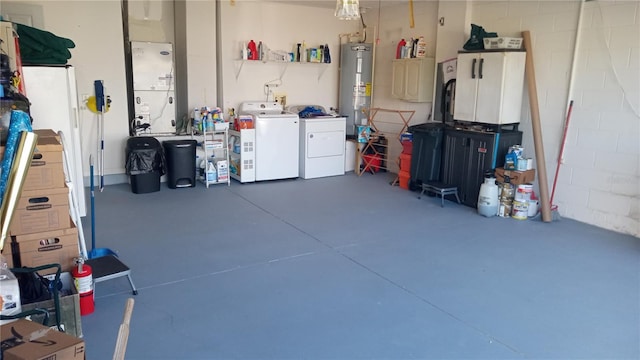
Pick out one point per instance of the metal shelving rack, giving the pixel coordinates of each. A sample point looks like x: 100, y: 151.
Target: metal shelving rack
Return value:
x: 216, y: 142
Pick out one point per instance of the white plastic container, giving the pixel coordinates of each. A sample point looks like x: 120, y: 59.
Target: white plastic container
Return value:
x: 10, y: 293
x: 488, y: 198
x: 421, y: 50
x: 502, y: 43
x: 533, y: 208
x: 211, y: 175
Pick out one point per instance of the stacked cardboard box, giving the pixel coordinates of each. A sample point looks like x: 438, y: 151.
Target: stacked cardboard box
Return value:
x: 41, y: 230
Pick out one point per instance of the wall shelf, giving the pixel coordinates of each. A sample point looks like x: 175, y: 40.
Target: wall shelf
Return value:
x: 284, y: 65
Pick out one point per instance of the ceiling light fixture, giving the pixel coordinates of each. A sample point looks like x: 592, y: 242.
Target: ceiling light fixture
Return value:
x: 347, y: 9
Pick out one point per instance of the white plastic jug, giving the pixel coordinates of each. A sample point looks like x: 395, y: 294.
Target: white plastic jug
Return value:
x: 211, y: 172
x: 488, y: 198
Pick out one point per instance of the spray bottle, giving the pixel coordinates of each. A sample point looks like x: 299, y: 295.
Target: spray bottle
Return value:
x: 253, y: 51
x: 401, y: 45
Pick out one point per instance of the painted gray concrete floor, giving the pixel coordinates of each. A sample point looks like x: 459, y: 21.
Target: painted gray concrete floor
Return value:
x: 350, y: 267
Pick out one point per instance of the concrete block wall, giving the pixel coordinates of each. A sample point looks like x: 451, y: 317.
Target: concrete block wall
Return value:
x: 599, y: 180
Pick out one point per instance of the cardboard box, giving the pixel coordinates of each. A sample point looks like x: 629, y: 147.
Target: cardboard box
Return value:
x: 363, y: 132
x: 70, y: 318
x: 41, y: 210
x: 46, y: 170
x: 51, y: 247
x: 48, y: 150
x: 502, y: 43
x: 223, y: 170
x: 44, y: 177
x: 9, y: 294
x: 45, y: 133
x: 28, y: 340
x: 516, y: 177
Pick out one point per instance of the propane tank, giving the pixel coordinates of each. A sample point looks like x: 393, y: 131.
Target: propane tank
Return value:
x: 83, y: 280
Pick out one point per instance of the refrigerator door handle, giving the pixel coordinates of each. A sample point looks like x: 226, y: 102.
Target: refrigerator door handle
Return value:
x: 480, y: 68
x: 473, y: 68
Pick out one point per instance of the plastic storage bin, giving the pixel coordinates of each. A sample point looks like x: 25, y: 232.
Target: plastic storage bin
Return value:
x: 145, y: 164
x: 181, y: 166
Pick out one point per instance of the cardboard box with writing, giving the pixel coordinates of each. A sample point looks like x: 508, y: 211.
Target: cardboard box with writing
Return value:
x: 28, y: 340
x: 516, y: 177
x: 50, y: 247
x: 41, y: 210
x: 46, y: 170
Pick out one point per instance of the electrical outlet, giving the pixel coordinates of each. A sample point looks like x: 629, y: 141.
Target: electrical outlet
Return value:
x: 85, y: 98
x: 281, y: 99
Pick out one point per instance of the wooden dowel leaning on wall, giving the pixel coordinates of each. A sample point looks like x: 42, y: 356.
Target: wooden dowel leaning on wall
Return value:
x: 545, y: 206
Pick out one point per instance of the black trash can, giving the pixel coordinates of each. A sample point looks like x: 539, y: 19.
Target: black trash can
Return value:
x: 181, y: 163
x: 426, y: 154
x: 144, y: 164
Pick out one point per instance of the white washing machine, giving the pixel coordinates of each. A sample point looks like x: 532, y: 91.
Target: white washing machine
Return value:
x: 276, y: 140
x: 322, y: 145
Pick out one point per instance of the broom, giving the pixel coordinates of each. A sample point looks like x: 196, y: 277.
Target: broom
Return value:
x: 554, y: 207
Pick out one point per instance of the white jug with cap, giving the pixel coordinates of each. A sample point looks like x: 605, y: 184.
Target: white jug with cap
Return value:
x: 488, y: 198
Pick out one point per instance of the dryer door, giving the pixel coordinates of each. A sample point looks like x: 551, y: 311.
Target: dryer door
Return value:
x: 325, y: 143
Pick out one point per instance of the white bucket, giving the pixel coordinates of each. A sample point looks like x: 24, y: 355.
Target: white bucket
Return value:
x: 520, y: 210
x: 523, y: 192
x: 533, y: 208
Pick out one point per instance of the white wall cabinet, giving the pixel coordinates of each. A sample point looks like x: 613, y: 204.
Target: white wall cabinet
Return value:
x: 412, y: 79
x: 489, y: 87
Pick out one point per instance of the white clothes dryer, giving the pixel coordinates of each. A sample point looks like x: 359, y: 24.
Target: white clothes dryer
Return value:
x: 322, y: 145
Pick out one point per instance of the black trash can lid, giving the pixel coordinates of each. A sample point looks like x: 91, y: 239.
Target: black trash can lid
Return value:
x: 142, y: 142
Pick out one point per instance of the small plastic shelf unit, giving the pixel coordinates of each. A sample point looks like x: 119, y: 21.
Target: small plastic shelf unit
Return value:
x: 387, y: 123
x: 215, y: 143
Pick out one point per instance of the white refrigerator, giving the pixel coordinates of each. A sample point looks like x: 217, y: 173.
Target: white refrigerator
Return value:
x: 53, y: 95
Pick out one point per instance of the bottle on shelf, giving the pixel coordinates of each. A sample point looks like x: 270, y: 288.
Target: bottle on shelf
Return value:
x: 211, y: 172
x: 327, y: 54
x: 421, y: 48
x: 253, y: 51
x: 401, y: 45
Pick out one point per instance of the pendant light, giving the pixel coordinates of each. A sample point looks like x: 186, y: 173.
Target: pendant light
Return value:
x: 347, y: 9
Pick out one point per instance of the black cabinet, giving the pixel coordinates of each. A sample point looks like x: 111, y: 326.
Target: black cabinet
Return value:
x: 469, y: 154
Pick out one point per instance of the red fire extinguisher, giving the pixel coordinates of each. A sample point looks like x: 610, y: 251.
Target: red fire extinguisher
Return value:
x: 83, y: 280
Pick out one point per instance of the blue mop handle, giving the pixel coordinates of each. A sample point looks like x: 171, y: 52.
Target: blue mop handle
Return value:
x: 98, y: 85
x: 93, y: 207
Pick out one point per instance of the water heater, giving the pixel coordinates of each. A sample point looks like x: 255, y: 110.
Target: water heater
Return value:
x: 355, y: 83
